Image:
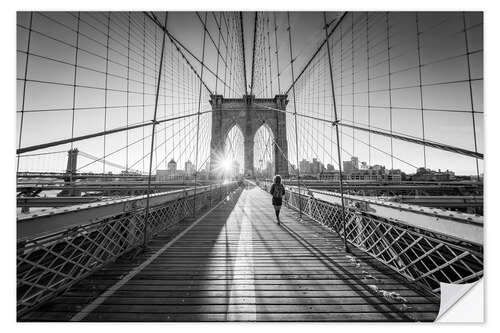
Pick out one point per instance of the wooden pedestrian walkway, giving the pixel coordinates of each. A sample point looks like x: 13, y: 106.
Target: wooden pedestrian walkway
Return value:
x: 236, y: 264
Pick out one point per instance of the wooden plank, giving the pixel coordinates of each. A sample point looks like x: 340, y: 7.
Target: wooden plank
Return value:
x: 264, y: 293
x: 237, y: 264
x: 325, y: 300
x: 247, y: 307
x: 210, y: 317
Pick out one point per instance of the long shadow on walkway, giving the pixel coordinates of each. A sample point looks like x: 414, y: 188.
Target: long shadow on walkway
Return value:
x: 359, y: 287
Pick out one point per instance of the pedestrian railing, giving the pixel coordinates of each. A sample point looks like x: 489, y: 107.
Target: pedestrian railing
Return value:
x: 49, y: 264
x: 421, y: 256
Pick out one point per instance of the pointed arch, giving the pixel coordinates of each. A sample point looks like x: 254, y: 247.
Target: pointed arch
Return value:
x: 264, y: 152
x: 234, y: 148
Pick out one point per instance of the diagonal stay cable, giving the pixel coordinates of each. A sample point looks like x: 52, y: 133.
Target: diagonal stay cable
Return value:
x: 406, y: 138
x: 107, y: 132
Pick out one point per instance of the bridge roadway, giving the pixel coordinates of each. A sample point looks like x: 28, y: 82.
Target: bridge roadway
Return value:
x: 236, y: 264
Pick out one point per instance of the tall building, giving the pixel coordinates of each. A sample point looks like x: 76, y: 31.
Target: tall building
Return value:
x: 304, y: 166
x: 316, y: 166
x: 347, y: 166
x: 172, y: 165
x: 355, y: 162
x: 189, y: 168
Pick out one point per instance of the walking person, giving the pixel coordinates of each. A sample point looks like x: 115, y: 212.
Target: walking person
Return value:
x: 277, y: 191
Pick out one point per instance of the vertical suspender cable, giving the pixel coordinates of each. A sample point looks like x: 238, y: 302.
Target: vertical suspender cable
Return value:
x: 420, y: 84
x: 390, y: 84
x: 263, y: 52
x: 225, y: 54
x: 106, y: 95
x: 352, y: 79
x: 165, y: 112
x: 243, y: 53
x: 218, y: 54
x: 172, y: 103
x: 253, y: 53
x: 74, y: 89
x: 148, y: 194
x: 128, y: 89
x: 368, y: 89
x: 341, y: 95
x: 143, y: 83
x: 276, y: 52
x: 231, y: 56
x: 270, y: 59
x: 198, y: 116
x: 155, y: 44
x: 74, y: 78
x: 24, y: 88
x: 467, y: 51
x: 234, y: 48
x: 294, y: 112
x: 337, y: 135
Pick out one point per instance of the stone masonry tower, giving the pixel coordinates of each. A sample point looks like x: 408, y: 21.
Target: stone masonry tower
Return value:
x: 249, y: 114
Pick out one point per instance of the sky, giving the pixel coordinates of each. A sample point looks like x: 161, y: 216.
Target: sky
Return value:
x: 112, y: 75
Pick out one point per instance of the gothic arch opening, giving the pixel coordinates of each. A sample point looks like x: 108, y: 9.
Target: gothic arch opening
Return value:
x: 264, y: 152
x: 231, y: 163
x: 265, y: 140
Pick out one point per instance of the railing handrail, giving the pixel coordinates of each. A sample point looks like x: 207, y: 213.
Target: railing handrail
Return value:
x: 41, y: 223
x: 85, y: 248
x: 459, y: 226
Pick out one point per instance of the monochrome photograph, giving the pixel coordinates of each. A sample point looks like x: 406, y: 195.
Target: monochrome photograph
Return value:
x: 247, y: 166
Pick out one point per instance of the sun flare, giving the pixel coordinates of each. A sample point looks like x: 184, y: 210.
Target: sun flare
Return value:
x: 226, y: 164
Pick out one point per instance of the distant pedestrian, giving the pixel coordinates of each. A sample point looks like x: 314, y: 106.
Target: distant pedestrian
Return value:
x: 277, y: 191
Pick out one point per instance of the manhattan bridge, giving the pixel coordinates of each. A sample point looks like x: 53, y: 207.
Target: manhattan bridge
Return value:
x: 147, y: 142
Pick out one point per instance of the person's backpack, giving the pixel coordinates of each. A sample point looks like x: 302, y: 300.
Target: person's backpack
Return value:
x: 278, y: 191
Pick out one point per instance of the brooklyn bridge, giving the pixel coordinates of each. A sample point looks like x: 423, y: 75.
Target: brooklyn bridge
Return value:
x: 147, y: 143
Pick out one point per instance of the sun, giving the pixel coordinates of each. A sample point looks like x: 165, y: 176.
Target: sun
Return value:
x: 226, y: 164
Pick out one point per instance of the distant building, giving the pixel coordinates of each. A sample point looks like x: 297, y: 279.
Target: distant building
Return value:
x: 171, y: 173
x: 167, y: 175
x: 378, y: 174
x: 355, y: 162
x: 347, y: 166
x: 130, y: 173
x: 304, y: 166
x: 172, y: 165
x: 203, y: 174
x: 330, y: 175
x: 424, y: 174
x: 189, y: 168
x: 316, y: 167
x: 330, y: 167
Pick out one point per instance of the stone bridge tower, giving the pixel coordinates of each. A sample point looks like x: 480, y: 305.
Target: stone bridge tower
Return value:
x: 249, y: 114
